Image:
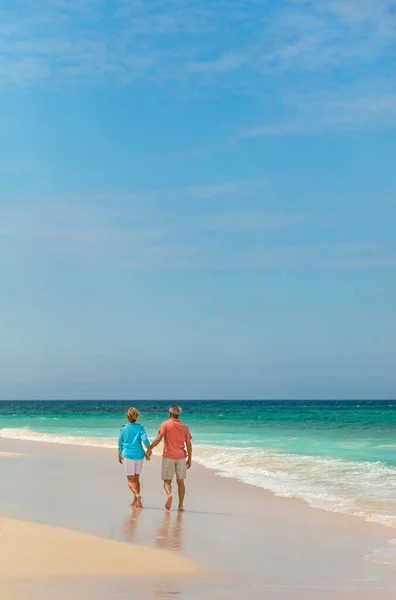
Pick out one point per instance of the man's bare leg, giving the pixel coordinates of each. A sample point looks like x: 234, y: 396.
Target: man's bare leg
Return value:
x: 168, y: 492
x: 182, y: 493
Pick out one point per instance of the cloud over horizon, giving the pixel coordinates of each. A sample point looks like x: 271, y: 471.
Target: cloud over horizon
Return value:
x: 199, y: 230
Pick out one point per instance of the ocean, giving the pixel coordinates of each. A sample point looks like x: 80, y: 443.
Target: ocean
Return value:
x: 336, y: 455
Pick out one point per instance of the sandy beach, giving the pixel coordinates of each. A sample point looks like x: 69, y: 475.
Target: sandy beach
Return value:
x: 67, y: 531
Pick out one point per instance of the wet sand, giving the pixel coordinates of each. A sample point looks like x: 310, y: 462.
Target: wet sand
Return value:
x: 9, y: 454
x: 249, y: 543
x: 47, y: 551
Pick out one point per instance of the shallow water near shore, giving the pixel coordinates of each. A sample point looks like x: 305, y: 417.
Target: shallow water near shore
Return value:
x: 339, y: 456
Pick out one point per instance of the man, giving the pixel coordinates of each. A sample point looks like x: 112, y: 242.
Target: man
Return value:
x: 177, y: 448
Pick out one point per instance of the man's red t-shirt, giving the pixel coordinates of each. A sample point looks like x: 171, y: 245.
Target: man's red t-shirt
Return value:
x: 175, y: 434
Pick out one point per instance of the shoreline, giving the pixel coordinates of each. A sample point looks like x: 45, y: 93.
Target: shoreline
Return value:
x: 255, y: 542
x: 367, y: 514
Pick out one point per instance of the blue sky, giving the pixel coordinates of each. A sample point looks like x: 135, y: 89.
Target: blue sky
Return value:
x: 197, y: 199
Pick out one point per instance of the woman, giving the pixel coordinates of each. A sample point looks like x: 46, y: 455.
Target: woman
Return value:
x: 131, y: 453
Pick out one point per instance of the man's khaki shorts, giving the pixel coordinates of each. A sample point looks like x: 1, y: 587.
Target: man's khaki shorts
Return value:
x: 172, y: 467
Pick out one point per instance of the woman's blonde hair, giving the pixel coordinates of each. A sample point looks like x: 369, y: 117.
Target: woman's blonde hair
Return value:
x: 133, y: 414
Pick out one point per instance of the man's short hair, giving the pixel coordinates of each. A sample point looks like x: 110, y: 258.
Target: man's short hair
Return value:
x: 175, y: 410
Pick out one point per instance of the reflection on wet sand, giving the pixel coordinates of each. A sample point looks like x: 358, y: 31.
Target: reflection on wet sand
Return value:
x: 130, y: 525
x: 169, y: 535
x: 165, y: 592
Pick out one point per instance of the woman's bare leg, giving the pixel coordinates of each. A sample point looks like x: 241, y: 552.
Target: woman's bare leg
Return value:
x: 134, y: 486
x: 139, y: 498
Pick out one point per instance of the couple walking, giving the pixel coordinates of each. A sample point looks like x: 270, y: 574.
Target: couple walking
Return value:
x: 176, y: 456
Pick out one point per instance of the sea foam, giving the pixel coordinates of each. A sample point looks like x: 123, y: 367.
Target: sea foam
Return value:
x: 363, y: 489
x: 27, y: 434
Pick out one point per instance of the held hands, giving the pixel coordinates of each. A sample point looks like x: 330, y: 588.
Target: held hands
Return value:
x: 148, y: 454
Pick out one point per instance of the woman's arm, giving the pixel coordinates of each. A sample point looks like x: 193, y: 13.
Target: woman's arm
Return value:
x: 145, y: 441
x: 153, y: 444
x: 158, y: 440
x: 120, y: 439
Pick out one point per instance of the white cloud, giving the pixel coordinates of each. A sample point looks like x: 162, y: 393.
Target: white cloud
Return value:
x: 106, y: 215
x: 372, y: 108
x: 229, y: 61
x: 129, y: 39
x: 226, y: 189
x: 314, y: 64
x: 271, y: 222
x: 274, y: 129
x: 332, y: 110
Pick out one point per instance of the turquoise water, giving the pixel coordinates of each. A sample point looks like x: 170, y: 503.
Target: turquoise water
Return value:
x: 337, y: 455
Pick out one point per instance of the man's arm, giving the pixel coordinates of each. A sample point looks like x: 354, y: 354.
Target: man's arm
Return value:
x: 155, y: 443
x: 189, y: 453
x: 158, y: 440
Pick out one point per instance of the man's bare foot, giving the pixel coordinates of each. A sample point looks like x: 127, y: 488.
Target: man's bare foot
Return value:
x: 168, y: 503
x: 139, y: 502
x: 181, y: 508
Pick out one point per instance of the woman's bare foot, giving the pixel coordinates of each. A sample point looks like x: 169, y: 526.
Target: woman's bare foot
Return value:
x: 168, y: 503
x: 181, y: 508
x: 134, y: 502
x: 139, y: 502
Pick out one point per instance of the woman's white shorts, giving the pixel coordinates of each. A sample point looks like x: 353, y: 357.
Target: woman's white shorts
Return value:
x: 133, y: 467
